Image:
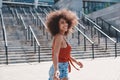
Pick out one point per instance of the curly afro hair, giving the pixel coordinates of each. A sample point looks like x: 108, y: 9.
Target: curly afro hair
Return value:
x: 52, y: 20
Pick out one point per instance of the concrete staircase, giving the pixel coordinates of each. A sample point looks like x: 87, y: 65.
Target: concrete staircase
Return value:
x: 21, y: 51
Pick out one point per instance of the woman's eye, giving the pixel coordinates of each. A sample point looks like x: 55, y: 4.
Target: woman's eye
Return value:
x: 63, y: 22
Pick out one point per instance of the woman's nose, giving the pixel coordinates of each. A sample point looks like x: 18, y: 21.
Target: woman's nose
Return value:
x: 66, y: 24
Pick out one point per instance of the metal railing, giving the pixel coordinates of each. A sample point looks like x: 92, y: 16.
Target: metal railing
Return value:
x: 41, y: 22
x: 34, y: 41
x: 25, y: 27
x: 12, y: 12
x: 34, y: 19
x: 110, y: 28
x: 85, y: 38
x: 30, y: 35
x: 24, y: 11
x: 4, y: 36
x: 17, y: 16
x: 93, y: 25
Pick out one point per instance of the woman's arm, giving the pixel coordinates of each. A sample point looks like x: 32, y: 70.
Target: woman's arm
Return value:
x: 56, y: 47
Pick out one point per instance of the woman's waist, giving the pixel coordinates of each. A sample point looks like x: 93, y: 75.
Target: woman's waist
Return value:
x: 63, y: 59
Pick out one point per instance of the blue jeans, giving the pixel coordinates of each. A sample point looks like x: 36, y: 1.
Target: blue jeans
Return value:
x: 63, y: 69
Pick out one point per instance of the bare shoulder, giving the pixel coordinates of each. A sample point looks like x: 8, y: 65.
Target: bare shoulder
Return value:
x: 58, y: 38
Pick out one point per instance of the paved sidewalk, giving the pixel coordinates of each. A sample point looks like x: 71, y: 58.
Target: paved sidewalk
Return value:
x: 97, y: 69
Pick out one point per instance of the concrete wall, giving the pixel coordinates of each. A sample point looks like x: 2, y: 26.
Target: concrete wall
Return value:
x: 104, y: 0
x: 105, y: 11
x: 75, y: 5
x: 0, y: 3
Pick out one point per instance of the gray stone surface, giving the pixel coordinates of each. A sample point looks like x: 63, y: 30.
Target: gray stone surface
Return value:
x: 97, y: 69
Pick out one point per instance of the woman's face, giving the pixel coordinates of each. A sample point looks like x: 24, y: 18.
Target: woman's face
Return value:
x: 63, y: 25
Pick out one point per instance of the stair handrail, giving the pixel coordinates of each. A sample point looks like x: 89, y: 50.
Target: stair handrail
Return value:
x: 4, y: 36
x: 42, y: 22
x: 85, y: 36
x: 24, y: 11
x: 44, y: 11
x: 34, y: 41
x: 34, y: 36
x: 113, y: 27
x: 29, y: 33
x: 109, y: 24
x: 32, y: 14
x: 13, y: 14
x: 25, y: 27
x: 98, y: 28
x: 23, y: 22
x: 17, y: 15
x: 90, y: 20
x: 34, y: 17
x: 40, y: 19
x: 83, y: 27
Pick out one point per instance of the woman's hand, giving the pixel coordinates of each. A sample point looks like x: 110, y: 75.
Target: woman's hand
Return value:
x: 56, y: 75
x: 80, y: 64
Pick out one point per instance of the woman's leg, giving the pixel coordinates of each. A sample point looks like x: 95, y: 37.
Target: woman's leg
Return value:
x: 64, y: 79
x: 63, y: 68
x: 51, y: 73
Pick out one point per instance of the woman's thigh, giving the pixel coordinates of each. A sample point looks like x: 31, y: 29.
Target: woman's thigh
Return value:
x: 63, y: 68
x: 64, y: 79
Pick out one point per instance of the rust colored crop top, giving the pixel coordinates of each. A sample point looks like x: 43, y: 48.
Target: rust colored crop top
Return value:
x: 65, y: 55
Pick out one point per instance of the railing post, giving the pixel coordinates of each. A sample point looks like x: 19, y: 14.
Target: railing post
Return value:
x: 105, y: 43
x: 115, y: 49
x: 91, y: 32
x: 39, y: 54
x: 47, y: 35
x: 116, y: 36
x: 78, y: 38
x: 31, y: 38
x: 34, y: 45
x: 98, y: 38
x: 36, y: 22
x: 93, y: 56
x: 102, y: 25
x: 3, y: 34
x: 72, y: 35
x: 84, y: 44
x: 43, y: 30
x: 6, y: 51
x: 109, y: 29
x: 40, y: 22
x: 97, y: 20
x: 28, y: 32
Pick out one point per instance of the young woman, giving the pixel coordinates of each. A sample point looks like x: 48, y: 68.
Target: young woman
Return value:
x: 59, y: 24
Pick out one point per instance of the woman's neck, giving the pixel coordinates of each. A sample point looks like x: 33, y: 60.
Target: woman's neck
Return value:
x: 62, y: 33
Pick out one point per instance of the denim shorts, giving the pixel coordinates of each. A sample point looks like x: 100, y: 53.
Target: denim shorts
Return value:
x: 63, y: 69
